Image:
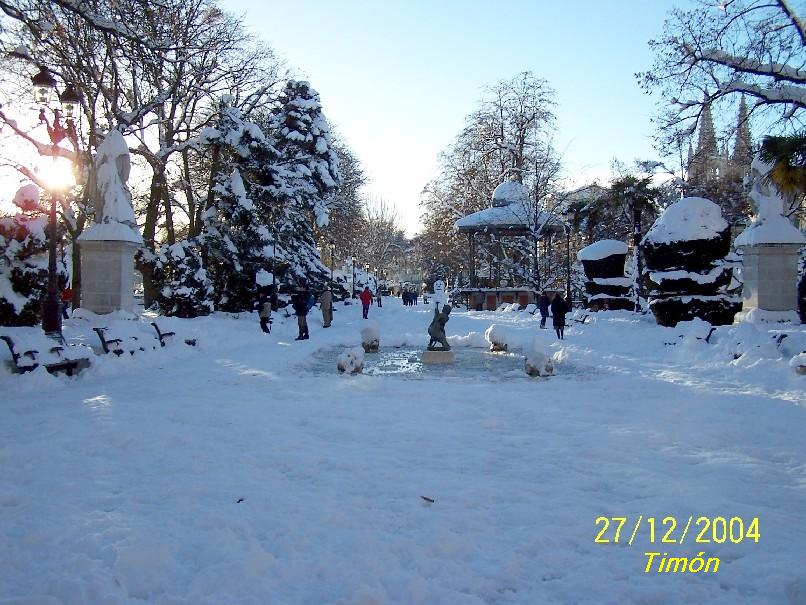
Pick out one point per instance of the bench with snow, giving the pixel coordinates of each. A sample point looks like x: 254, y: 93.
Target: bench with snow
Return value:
x: 161, y: 336
x: 115, y: 345
x: 29, y: 353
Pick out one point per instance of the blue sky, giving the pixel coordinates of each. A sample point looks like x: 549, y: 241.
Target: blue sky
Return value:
x: 397, y: 79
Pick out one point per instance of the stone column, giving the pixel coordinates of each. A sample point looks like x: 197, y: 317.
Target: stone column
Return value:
x: 107, y: 271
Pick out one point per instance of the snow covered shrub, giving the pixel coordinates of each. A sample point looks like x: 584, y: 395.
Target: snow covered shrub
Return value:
x: 497, y: 339
x: 182, y: 282
x: 370, y: 336
x: 351, y: 361
x: 687, y: 273
x: 24, y: 269
x: 603, y: 262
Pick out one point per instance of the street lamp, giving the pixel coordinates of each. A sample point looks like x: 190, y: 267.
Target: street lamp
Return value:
x: 44, y: 89
x: 332, y: 260
x: 353, y: 259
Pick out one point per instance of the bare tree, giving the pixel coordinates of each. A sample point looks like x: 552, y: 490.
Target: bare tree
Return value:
x: 711, y: 54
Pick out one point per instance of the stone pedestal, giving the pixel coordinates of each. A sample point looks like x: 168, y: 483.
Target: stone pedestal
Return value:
x: 770, y: 273
x: 438, y: 357
x: 107, y: 275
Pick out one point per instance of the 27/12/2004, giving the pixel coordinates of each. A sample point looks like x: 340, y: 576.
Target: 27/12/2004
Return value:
x: 670, y: 530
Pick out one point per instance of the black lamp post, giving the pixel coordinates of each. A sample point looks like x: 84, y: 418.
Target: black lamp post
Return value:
x: 44, y: 88
x: 332, y: 260
x: 353, y: 259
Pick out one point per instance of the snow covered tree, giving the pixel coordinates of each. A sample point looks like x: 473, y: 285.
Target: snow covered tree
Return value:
x: 184, y: 287
x: 24, y: 261
x: 307, y: 174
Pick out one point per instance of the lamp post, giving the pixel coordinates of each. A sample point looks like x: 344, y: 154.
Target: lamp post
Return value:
x: 332, y: 260
x: 44, y: 88
x: 353, y: 259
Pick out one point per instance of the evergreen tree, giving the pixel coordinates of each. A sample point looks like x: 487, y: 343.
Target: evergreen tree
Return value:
x: 183, y: 285
x: 307, y: 174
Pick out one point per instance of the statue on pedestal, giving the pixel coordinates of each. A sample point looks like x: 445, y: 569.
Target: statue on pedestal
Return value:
x: 437, y: 329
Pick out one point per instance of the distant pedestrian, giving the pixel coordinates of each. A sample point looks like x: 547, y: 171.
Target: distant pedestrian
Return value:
x: 543, y: 304
x: 326, y: 305
x: 558, y: 310
x: 380, y: 299
x: 366, y: 301
x: 67, y: 299
x: 264, y: 312
x: 300, y: 302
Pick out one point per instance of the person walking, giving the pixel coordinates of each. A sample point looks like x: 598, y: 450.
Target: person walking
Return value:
x: 326, y: 305
x: 264, y: 312
x: 299, y: 302
x: 67, y: 299
x: 380, y: 299
x: 558, y: 310
x: 366, y: 301
x: 543, y: 304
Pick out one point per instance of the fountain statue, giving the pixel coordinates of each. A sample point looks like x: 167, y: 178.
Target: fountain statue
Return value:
x: 437, y: 329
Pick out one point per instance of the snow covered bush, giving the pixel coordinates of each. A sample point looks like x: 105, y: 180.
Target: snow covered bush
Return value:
x: 497, y: 339
x: 182, y: 282
x: 603, y: 262
x: 351, y: 361
x: 687, y: 274
x: 24, y: 269
x: 370, y: 336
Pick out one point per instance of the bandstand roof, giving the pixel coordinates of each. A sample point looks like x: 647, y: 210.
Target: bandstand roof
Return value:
x: 511, y: 219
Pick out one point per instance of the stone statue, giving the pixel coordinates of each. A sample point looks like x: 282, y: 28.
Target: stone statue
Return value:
x: 437, y: 329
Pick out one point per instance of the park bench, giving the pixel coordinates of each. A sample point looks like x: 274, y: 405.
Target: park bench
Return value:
x: 161, y: 336
x: 115, y: 345
x: 53, y: 358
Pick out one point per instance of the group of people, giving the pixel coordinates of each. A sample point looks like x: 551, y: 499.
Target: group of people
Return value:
x: 558, y: 307
x: 409, y: 298
x: 302, y: 301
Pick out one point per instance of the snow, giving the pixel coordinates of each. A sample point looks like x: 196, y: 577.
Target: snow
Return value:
x: 692, y: 218
x: 264, y: 278
x: 625, y: 282
x: 602, y: 249
x: 229, y: 472
x: 370, y: 331
x: 510, y: 192
x: 701, y: 278
x: 110, y: 232
x: 26, y: 196
x: 769, y: 226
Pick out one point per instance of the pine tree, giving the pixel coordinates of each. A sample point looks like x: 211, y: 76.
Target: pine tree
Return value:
x: 184, y: 287
x: 308, y: 174
x: 236, y: 244
x: 743, y: 149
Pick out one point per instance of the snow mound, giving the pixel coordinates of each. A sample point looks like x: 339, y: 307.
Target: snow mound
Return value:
x: 497, y: 338
x: 537, y: 362
x: 799, y: 363
x: 510, y: 192
x: 602, y: 249
x: 692, y: 218
x: 370, y: 336
x: 27, y: 197
x: 351, y: 361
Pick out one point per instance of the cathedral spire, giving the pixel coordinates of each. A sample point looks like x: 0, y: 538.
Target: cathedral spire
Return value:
x: 743, y: 149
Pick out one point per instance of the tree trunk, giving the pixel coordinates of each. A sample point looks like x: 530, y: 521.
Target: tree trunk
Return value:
x: 150, y: 232
x: 636, y: 242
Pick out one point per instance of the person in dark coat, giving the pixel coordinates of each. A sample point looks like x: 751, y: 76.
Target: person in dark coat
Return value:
x: 543, y: 304
x: 299, y: 302
x: 558, y: 310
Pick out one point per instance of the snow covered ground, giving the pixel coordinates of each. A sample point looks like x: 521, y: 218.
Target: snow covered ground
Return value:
x: 232, y: 473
